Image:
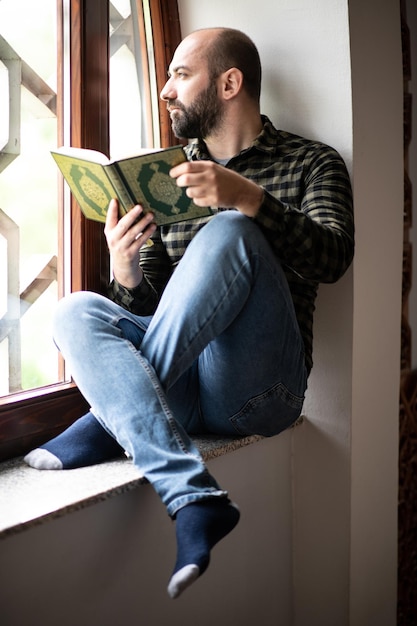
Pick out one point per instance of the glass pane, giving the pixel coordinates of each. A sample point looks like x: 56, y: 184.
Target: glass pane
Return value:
x: 133, y: 115
x: 28, y: 194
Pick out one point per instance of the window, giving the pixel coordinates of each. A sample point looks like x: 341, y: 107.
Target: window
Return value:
x: 82, y: 104
x: 28, y: 217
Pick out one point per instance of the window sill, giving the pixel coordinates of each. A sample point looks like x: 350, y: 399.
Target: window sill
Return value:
x: 29, y: 497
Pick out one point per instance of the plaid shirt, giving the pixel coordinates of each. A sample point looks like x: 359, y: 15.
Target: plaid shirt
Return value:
x: 306, y: 216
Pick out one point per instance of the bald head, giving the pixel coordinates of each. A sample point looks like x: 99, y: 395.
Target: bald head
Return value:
x: 224, y: 48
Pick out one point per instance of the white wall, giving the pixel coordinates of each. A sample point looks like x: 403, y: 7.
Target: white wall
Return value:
x: 378, y: 179
x: 412, y: 86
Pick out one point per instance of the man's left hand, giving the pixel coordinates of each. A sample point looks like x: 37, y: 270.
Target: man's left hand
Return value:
x: 211, y: 184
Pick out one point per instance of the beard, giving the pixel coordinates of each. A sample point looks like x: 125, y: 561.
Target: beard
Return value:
x: 201, y: 118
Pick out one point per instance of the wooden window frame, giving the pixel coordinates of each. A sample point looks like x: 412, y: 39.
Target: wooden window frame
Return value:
x: 30, y: 418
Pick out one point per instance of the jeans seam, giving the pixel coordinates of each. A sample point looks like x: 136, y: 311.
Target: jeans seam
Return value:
x: 164, y: 405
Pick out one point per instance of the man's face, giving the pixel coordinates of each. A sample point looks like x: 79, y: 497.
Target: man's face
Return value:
x: 200, y: 118
x: 190, y: 94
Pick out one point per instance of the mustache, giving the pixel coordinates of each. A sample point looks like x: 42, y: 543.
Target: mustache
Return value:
x: 175, y: 104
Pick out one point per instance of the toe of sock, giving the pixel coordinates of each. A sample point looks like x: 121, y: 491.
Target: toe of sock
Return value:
x: 182, y: 579
x: 43, y: 460
x: 199, y: 527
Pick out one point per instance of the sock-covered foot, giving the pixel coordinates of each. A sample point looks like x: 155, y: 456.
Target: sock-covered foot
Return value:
x: 199, y: 526
x: 84, y: 443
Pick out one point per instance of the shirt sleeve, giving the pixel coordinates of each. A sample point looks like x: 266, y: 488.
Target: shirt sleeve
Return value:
x: 314, y: 234
x: 140, y: 300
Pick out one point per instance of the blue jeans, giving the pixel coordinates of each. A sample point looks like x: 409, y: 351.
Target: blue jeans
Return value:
x: 222, y: 354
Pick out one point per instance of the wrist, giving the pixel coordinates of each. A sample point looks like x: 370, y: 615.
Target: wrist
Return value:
x: 129, y: 278
x: 252, y: 200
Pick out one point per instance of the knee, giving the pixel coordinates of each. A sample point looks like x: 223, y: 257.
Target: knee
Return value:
x: 227, y: 221
x: 229, y: 234
x: 72, y: 315
x: 232, y: 226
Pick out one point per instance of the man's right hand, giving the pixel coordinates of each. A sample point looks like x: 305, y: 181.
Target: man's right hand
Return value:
x: 125, y: 237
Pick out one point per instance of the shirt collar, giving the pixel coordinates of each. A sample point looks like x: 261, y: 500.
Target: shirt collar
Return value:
x: 266, y: 141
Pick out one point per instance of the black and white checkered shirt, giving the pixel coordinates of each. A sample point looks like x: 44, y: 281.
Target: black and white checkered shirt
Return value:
x: 306, y: 216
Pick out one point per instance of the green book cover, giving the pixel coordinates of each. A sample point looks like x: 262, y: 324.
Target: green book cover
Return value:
x: 142, y: 179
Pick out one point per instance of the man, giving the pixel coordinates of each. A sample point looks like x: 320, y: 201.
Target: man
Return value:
x: 209, y: 329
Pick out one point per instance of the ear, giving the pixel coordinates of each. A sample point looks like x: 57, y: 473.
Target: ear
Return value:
x: 231, y: 83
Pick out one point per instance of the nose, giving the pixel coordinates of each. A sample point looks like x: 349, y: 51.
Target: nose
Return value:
x: 167, y: 92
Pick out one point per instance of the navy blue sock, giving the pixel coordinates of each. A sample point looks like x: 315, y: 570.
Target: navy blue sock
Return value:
x: 84, y: 443
x: 199, y: 526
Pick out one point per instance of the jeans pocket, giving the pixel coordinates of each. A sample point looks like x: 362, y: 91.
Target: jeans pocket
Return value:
x: 269, y: 413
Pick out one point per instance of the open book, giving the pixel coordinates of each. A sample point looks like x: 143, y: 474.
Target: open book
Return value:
x: 142, y: 179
